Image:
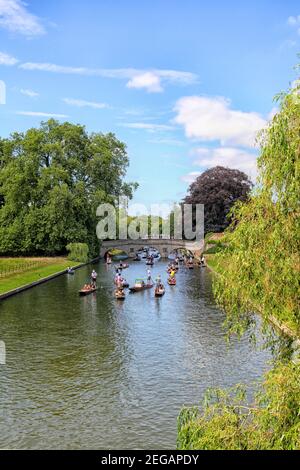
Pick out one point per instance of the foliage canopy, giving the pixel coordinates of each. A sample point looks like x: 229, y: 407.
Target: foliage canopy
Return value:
x: 263, y: 244
x: 78, y: 252
x: 227, y: 422
x: 259, y: 268
x: 52, y: 179
x: 218, y: 189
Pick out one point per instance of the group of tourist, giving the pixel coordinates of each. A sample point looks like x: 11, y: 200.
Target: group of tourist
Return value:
x: 172, y: 269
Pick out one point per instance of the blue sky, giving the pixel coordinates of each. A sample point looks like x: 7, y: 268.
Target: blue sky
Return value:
x: 186, y: 84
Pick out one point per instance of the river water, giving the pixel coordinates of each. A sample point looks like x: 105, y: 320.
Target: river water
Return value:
x: 97, y: 373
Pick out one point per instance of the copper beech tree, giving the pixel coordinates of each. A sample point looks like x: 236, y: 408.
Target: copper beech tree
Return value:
x: 218, y: 189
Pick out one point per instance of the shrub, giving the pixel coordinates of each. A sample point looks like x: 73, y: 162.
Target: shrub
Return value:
x: 78, y: 252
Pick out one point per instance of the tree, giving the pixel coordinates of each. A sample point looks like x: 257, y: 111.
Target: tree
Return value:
x: 261, y: 261
x: 227, y: 422
x: 218, y: 189
x: 259, y: 271
x: 51, y: 181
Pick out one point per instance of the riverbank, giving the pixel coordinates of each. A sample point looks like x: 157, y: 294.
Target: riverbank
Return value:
x: 20, y: 273
x: 287, y: 330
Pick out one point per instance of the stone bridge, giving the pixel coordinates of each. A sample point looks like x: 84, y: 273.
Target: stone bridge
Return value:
x: 164, y: 246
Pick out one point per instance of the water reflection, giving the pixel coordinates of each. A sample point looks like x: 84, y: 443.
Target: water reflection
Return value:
x: 93, y: 372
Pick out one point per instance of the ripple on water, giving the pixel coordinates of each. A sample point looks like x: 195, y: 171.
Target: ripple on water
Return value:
x: 96, y: 373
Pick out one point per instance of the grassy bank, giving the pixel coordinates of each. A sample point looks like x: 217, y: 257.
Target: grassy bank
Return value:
x: 18, y: 272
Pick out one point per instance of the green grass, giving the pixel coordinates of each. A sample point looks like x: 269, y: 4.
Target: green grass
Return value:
x: 18, y: 272
x: 116, y: 252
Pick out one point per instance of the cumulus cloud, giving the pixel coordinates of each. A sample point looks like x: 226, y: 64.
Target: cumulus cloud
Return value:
x: 212, y: 119
x: 230, y: 157
x: 190, y: 177
x: 150, y: 80
x: 6, y: 59
x: 15, y: 17
x: 84, y: 103
x: 293, y: 20
x: 42, y: 114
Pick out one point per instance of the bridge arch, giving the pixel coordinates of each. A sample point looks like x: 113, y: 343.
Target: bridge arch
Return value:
x: 164, y: 246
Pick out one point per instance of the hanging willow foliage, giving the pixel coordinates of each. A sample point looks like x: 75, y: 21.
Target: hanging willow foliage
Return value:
x: 259, y: 269
x: 260, y: 266
x: 227, y: 422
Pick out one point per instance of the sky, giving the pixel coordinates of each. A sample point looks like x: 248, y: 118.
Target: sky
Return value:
x: 185, y: 84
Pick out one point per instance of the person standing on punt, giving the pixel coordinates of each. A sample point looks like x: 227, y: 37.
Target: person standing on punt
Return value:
x: 172, y: 273
x: 94, y: 278
x: 158, y: 281
x: 149, y: 277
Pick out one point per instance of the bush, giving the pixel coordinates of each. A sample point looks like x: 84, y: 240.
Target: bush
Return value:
x: 78, y: 252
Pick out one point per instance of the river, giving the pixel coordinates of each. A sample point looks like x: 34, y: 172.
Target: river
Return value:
x: 96, y: 373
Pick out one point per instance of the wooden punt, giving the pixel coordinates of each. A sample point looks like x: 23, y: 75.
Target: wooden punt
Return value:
x: 88, y: 291
x: 159, y: 291
x: 120, y: 295
x: 123, y: 266
x: 138, y: 288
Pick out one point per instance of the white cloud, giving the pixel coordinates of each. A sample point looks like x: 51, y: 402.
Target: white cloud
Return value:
x: 230, y: 157
x: 15, y: 17
x: 46, y: 67
x: 212, y: 119
x: 150, y: 80
x: 293, y: 20
x: 234, y: 158
x: 84, y: 103
x: 40, y: 114
x: 185, y: 78
x: 190, y: 177
x: 273, y: 112
x: 147, y: 126
x: 30, y: 93
x: 171, y: 142
x: 6, y: 59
